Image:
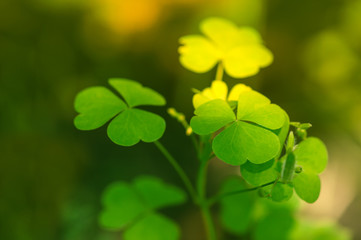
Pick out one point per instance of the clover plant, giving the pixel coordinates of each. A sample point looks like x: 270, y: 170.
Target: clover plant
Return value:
x: 240, y: 127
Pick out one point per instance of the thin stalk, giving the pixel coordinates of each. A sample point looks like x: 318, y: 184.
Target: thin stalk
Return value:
x: 219, y: 74
x: 202, y: 179
x: 179, y: 170
x: 206, y: 214
x: 208, y: 222
x: 218, y: 197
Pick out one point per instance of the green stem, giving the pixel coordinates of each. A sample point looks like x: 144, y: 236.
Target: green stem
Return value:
x: 219, y: 74
x: 208, y: 222
x: 206, y: 214
x: 202, y: 179
x: 179, y: 170
x: 218, y: 197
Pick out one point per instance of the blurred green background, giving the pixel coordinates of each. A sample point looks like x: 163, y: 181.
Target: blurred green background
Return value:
x: 51, y: 175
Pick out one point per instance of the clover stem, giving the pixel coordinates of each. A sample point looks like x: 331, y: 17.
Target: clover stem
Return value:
x: 208, y: 222
x: 202, y: 179
x: 206, y: 214
x: 219, y: 73
x: 179, y: 170
x: 218, y: 197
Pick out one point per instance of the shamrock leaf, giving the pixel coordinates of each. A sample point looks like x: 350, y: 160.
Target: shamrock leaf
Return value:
x: 259, y: 174
x: 307, y: 186
x: 153, y: 227
x: 98, y: 105
x: 156, y: 193
x: 236, y: 210
x: 311, y: 155
x: 247, y: 136
x: 276, y: 224
x: 122, y: 206
x: 240, y: 50
x: 132, y: 207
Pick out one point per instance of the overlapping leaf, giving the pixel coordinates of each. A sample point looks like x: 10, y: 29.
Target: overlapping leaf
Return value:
x: 259, y: 174
x: 240, y: 50
x: 247, y: 136
x: 131, y: 207
x: 98, y: 105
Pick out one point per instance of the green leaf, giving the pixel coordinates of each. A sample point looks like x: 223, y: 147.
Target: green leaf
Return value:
x: 135, y: 94
x: 121, y: 206
x: 198, y: 54
x: 250, y: 101
x: 282, y: 133
x: 211, y: 116
x: 254, y: 107
x: 276, y: 225
x: 242, y: 141
x: 236, y: 210
x: 156, y: 194
x: 259, y: 174
x: 134, y: 125
x: 153, y: 227
x: 96, y: 106
x: 311, y: 154
x: 281, y: 192
x: 307, y: 186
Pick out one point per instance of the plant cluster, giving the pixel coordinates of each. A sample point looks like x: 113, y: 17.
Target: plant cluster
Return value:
x: 240, y: 127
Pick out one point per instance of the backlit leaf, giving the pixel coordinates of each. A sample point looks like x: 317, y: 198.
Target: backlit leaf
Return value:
x: 96, y: 106
x: 211, y: 116
x: 135, y: 94
x: 307, y: 186
x: 242, y: 141
x: 134, y: 125
x: 311, y: 154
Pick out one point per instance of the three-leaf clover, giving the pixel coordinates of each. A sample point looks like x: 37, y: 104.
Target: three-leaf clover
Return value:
x: 240, y: 50
x: 247, y: 135
x: 311, y: 155
x: 219, y: 90
x: 98, y: 105
x: 132, y: 207
x: 297, y: 170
